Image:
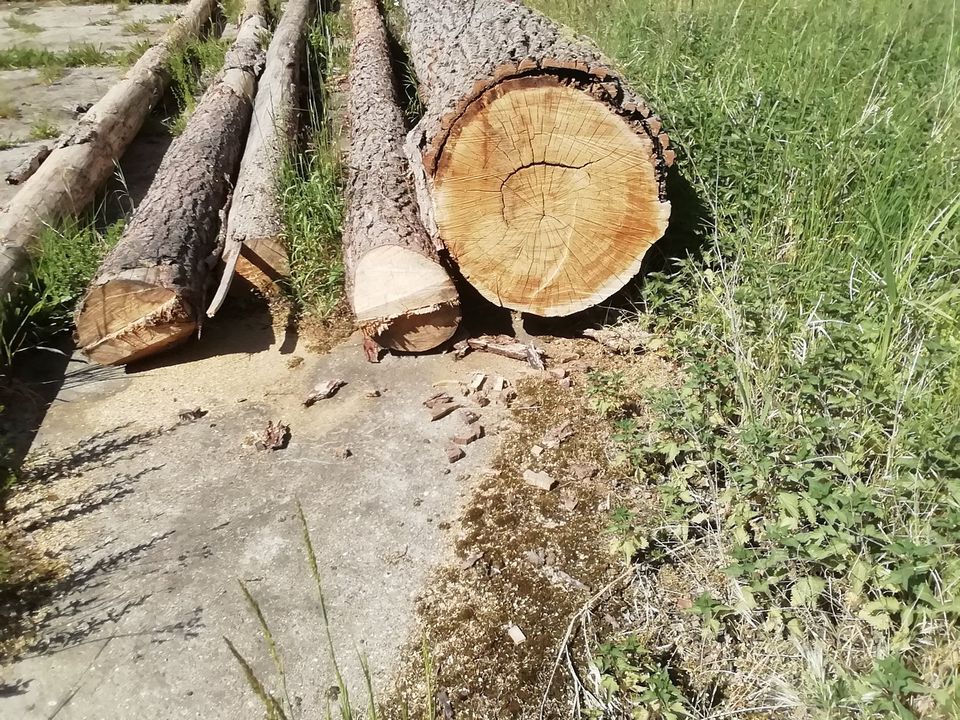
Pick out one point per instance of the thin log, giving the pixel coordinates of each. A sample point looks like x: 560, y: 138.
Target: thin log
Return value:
x: 254, y: 237
x: 536, y: 166
x: 401, y: 295
x: 149, y: 292
x: 85, y: 157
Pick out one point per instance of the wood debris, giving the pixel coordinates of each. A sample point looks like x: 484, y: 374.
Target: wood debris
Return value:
x: 274, y: 436
x: 539, y: 480
x: 323, y: 390
x: 555, y: 436
x: 566, y: 383
x: 558, y: 373
x: 622, y: 339
x: 468, y: 416
x: 476, y: 382
x: 471, y: 433
x: 443, y: 701
x: 441, y: 410
x: 516, y: 634
x: 583, y: 471
x: 437, y: 398
x: 471, y: 560
x: 191, y: 414
x: 22, y: 172
x: 536, y: 451
x: 569, y: 500
x: 454, y: 453
x: 503, y: 345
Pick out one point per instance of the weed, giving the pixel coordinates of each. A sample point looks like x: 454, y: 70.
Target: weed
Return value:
x: 807, y: 470
x: 75, y: 56
x: 605, y: 392
x: 628, y: 676
x: 23, y: 26
x: 191, y: 70
x: 50, y: 74
x: 7, y: 143
x: 9, y: 110
x: 43, y: 129
x: 136, y: 28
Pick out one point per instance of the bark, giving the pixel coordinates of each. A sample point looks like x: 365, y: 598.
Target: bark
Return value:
x: 401, y: 295
x: 22, y: 172
x: 254, y: 233
x: 85, y: 157
x: 149, y: 291
x: 471, y: 58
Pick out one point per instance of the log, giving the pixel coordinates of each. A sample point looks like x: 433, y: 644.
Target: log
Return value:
x: 254, y: 244
x: 85, y: 157
x: 401, y: 295
x: 541, y: 172
x: 149, y: 291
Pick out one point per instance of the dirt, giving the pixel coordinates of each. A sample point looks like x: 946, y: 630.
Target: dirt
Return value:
x: 107, y: 26
x: 527, y: 558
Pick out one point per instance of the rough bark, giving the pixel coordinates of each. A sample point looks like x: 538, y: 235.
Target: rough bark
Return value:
x: 85, y: 157
x: 22, y: 172
x: 493, y: 74
x: 254, y: 234
x: 400, y: 293
x: 149, y: 291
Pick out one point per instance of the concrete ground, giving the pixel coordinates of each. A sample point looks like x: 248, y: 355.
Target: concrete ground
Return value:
x: 55, y: 27
x: 159, y: 518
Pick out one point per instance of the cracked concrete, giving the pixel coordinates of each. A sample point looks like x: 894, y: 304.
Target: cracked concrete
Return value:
x: 159, y: 518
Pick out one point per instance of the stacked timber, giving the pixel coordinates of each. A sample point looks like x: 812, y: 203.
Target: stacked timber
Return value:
x: 149, y: 292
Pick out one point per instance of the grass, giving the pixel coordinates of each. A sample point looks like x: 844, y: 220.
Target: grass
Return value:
x: 43, y: 129
x: 136, y: 28
x: 84, y: 54
x: 191, y: 69
x: 310, y: 188
x: 9, y: 110
x: 24, y: 26
x: 801, y: 555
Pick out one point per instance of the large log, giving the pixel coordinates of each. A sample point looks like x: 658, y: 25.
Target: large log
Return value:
x: 149, y: 291
x: 401, y: 295
x: 541, y: 172
x: 254, y: 244
x: 85, y: 157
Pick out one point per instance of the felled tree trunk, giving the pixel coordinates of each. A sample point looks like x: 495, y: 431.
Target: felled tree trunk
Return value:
x: 254, y: 235
x: 401, y: 296
x: 85, y: 157
x: 540, y: 171
x: 149, y: 291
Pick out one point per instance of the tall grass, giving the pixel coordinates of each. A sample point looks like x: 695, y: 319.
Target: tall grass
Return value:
x: 311, y: 182
x: 812, y: 454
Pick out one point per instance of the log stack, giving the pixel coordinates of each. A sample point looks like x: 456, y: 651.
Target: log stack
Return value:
x: 534, y: 169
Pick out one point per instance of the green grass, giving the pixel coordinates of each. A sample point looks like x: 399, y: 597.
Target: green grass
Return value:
x: 310, y: 189
x: 191, y: 69
x: 24, y: 26
x: 136, y: 28
x: 807, y: 470
x: 9, y: 110
x: 76, y: 56
x: 43, y: 129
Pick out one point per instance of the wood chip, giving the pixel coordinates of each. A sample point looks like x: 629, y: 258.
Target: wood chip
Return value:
x: 443, y: 701
x: 539, y: 480
x: 535, y: 357
x: 516, y: 634
x: 476, y: 382
x: 583, y: 471
x: 440, y: 411
x: 454, y: 453
x: 566, y: 383
x: 191, y: 414
x: 470, y: 434
x: 558, y: 373
x: 471, y: 560
x: 437, y: 399
x: 323, y: 390
x: 468, y: 416
x: 555, y: 436
x: 274, y: 436
x: 481, y: 399
x: 536, y: 451
x: 569, y: 500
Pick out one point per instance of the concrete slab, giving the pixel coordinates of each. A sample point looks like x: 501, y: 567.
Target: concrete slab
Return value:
x: 160, y: 519
x: 59, y: 27
x: 53, y: 104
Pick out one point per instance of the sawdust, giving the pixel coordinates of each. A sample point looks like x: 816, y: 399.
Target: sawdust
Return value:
x: 525, y: 559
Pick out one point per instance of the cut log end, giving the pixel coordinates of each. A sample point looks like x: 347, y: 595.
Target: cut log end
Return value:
x: 546, y: 197
x: 123, y: 320
x: 404, y: 300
